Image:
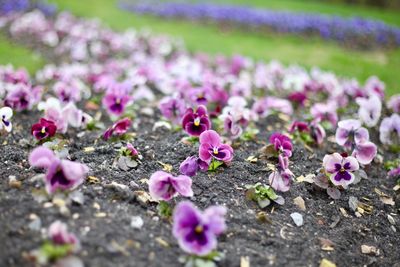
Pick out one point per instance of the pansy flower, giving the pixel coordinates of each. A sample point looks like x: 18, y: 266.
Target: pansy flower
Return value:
x: 325, y: 112
x: 116, y: 100
x: 282, y: 144
x: 195, y: 122
x: 394, y: 103
x: 281, y: 177
x: 197, y: 231
x: 350, y: 132
x: 118, y: 128
x: 389, y: 131
x: 61, y: 174
x: 43, y: 129
x: 211, y: 147
x: 172, y: 108
x: 340, y: 169
x: 5, y: 116
x: 59, y: 235
x: 370, y: 110
x: 191, y: 165
x: 164, y: 186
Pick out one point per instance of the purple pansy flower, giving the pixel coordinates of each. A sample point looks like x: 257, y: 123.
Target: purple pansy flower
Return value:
x: 116, y: 100
x: 389, y: 131
x: 365, y: 152
x: 280, y: 179
x: 132, y: 150
x: 172, y: 108
x: 282, y: 144
x: 324, y: 112
x: 340, y: 169
x: 299, y: 126
x: 61, y: 174
x: 191, y: 165
x: 211, y: 147
x: 196, y: 122
x: 43, y: 129
x: 67, y: 92
x: 394, y: 172
x: 197, y: 231
x: 59, y: 235
x: 394, y: 103
x: 22, y: 97
x: 350, y: 132
x: 164, y: 186
x: 374, y: 86
x: 5, y: 116
x: 118, y: 128
x: 370, y: 110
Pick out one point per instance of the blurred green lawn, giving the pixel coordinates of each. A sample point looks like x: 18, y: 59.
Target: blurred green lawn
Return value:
x: 307, y: 52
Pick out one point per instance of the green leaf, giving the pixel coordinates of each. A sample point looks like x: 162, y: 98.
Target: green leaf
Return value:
x: 215, y: 164
x: 164, y: 209
x: 54, y: 252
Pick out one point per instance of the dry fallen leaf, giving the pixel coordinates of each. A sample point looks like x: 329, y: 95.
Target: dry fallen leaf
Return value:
x: 88, y: 149
x: 244, y: 261
x: 387, y: 200
x: 93, y: 180
x: 299, y: 202
x: 143, y: 196
x: 344, y: 212
x: 365, y: 249
x: 326, y: 244
x: 162, y: 242
x: 309, y: 178
x: 166, y: 167
x: 326, y: 263
x: 252, y: 159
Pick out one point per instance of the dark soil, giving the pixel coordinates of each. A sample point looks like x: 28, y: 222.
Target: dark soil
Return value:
x: 111, y: 241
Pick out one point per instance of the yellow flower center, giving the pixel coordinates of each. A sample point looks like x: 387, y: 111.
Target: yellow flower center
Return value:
x: 197, y: 122
x: 43, y: 130
x: 118, y: 101
x: 215, y: 151
x: 199, y: 229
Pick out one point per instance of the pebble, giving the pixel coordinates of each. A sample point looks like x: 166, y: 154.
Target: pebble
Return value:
x: 297, y: 218
x: 35, y: 224
x: 13, y: 182
x: 137, y: 222
x: 391, y: 219
x: 353, y: 203
x: 77, y: 197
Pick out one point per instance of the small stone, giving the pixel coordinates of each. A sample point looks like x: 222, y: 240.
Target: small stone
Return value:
x: 326, y: 263
x: 70, y: 261
x: 353, y: 203
x: 35, y: 224
x: 75, y: 216
x: 137, y: 222
x: 299, y: 202
x: 391, y: 219
x: 297, y: 218
x: 13, y: 182
x: 77, y: 197
x: 100, y: 215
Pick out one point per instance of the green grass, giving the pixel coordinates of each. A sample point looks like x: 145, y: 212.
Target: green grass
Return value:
x: 19, y: 56
x: 307, y: 52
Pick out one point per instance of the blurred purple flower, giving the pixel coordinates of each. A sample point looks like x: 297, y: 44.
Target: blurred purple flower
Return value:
x: 118, y: 128
x: 280, y: 179
x: 394, y: 103
x: 325, y: 112
x: 282, y: 144
x: 191, y: 165
x: 59, y: 235
x: 370, y: 110
x: 61, y: 174
x: 197, y: 231
x: 115, y: 100
x: 389, y: 131
x: 164, y: 186
x: 172, y: 108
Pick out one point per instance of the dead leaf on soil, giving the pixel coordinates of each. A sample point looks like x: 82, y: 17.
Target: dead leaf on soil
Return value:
x: 371, y: 250
x: 299, y: 202
x: 144, y: 197
x: 326, y: 263
x: 252, y: 159
x: 326, y: 244
x: 93, y: 180
x: 309, y: 178
x: 387, y: 200
x: 166, y: 167
x: 244, y: 261
x: 88, y: 149
x: 344, y: 212
x: 162, y: 242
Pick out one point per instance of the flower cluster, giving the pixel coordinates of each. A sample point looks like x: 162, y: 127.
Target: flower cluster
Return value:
x: 328, y: 27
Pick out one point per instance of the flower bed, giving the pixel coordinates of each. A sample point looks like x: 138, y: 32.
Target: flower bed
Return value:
x: 354, y: 32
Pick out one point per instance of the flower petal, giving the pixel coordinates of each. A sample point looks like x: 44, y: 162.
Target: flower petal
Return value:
x: 330, y: 162
x: 183, y: 185
x: 41, y: 157
x: 210, y: 137
x: 365, y: 152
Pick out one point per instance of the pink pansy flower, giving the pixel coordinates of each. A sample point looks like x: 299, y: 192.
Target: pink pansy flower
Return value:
x: 164, y: 186
x: 67, y: 92
x: 340, y: 169
x: 325, y: 112
x: 115, y: 100
x: 374, y: 86
x: 5, y: 116
x: 22, y: 97
x: 350, y: 132
x: 172, y: 108
x: 118, y: 128
x: 365, y: 152
x: 389, y: 131
x: 197, y: 231
x: 266, y: 106
x: 59, y: 235
x: 370, y: 110
x: 212, y: 148
x: 191, y: 165
x: 317, y: 132
x: 282, y: 144
x: 61, y: 174
x: 394, y: 103
x: 280, y: 179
